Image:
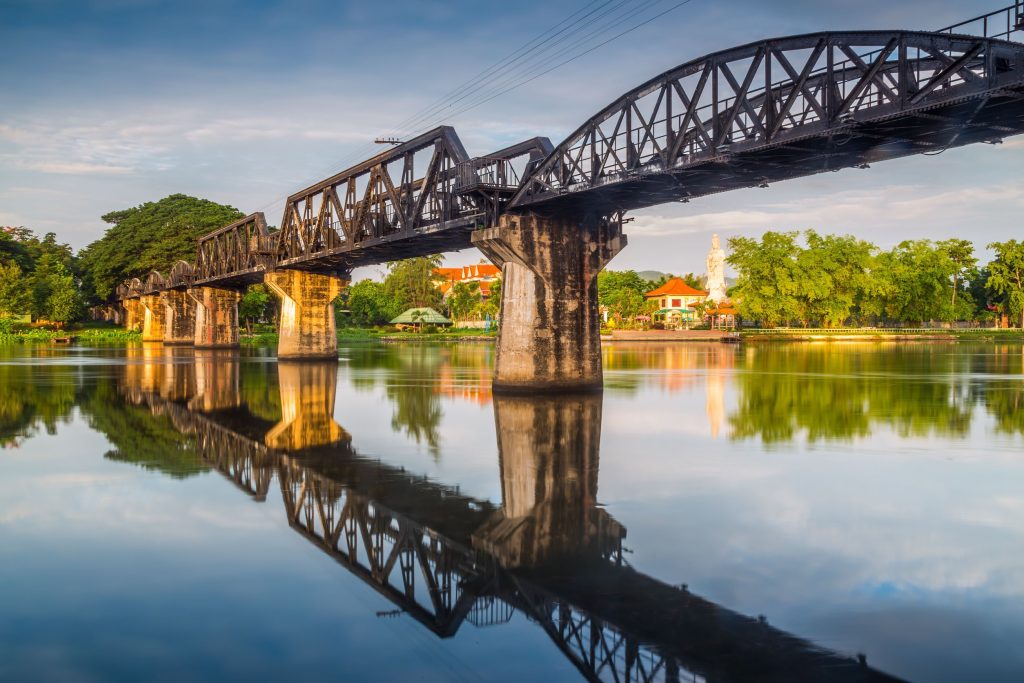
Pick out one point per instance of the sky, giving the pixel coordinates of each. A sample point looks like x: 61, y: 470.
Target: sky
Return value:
x: 107, y: 104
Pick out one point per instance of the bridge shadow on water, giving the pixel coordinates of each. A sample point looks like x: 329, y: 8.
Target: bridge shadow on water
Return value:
x: 548, y: 550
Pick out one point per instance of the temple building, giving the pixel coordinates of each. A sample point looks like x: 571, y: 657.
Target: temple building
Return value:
x: 676, y: 301
x: 482, y: 273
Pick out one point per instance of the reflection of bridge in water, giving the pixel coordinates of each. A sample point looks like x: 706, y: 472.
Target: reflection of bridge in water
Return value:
x: 444, y: 558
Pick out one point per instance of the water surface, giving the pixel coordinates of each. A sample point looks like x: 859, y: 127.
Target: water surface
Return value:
x: 847, y: 512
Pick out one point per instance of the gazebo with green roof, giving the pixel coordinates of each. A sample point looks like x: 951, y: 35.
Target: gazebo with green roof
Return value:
x: 421, y: 316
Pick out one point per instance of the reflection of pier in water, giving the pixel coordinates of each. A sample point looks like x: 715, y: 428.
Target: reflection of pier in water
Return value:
x: 444, y: 558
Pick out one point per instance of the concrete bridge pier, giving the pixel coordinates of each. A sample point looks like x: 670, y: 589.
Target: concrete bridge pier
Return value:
x: 550, y: 335
x: 216, y: 317
x: 179, y: 317
x: 153, y: 318
x: 133, y: 315
x: 306, y: 330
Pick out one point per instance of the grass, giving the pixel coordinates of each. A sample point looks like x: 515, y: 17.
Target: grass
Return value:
x: 92, y: 335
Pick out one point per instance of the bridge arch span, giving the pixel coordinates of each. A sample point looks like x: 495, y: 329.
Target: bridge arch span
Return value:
x: 783, y: 108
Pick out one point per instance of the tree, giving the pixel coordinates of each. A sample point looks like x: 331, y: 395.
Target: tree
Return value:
x: 832, y: 276
x: 411, y: 281
x: 63, y: 304
x: 256, y: 305
x: 464, y: 300
x: 151, y: 236
x: 911, y: 282
x: 15, y: 296
x: 369, y: 303
x: 964, y: 267
x: 768, y: 286
x: 1006, y: 275
x: 622, y: 293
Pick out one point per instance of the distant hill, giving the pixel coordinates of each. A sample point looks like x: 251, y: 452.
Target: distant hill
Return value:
x: 650, y: 274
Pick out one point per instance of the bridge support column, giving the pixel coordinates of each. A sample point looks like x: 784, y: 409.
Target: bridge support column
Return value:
x: 133, y: 315
x: 216, y: 317
x: 306, y: 330
x: 153, y: 318
x: 179, y: 316
x: 550, y: 335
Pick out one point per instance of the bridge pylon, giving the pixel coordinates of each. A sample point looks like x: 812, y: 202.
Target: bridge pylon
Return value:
x: 216, y: 324
x: 306, y: 326
x: 550, y: 337
x: 180, y: 318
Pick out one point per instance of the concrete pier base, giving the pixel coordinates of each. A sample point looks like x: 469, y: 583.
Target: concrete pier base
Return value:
x: 306, y: 330
x: 216, y: 317
x: 133, y: 315
x: 180, y: 318
x: 153, y: 318
x: 550, y: 334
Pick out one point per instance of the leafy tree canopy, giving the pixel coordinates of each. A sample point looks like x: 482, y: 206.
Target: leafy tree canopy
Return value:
x: 151, y: 236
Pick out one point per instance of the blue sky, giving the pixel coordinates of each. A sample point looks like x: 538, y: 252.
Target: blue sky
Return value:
x: 111, y: 103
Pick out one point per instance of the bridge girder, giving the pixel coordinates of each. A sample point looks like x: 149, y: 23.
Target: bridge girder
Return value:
x: 779, y: 109
x: 236, y: 255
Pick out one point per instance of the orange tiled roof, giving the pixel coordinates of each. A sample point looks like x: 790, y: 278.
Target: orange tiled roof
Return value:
x: 675, y: 287
x: 475, y: 271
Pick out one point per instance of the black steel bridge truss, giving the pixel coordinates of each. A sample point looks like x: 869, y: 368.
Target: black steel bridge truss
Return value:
x: 744, y: 117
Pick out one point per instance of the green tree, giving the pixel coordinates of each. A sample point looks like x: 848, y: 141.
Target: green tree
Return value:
x: 963, y: 265
x: 767, y: 287
x: 464, y: 300
x: 411, y: 281
x: 833, y: 273
x: 369, y: 303
x: 63, y: 305
x: 911, y: 283
x: 257, y: 304
x: 1006, y: 275
x: 15, y: 295
x: 151, y: 236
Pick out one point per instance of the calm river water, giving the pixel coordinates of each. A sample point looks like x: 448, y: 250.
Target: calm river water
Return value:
x: 764, y: 512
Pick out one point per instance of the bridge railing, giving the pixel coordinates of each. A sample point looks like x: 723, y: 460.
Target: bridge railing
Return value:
x: 1003, y: 24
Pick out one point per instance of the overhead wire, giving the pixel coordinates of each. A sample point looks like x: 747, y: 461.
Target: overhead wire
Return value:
x: 527, y: 63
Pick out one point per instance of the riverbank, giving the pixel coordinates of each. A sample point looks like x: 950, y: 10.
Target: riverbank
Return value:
x: 89, y: 335
x: 886, y: 334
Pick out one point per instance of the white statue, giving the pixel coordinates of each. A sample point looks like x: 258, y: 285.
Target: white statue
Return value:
x: 716, y: 271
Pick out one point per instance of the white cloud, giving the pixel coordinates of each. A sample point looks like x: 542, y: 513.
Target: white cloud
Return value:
x: 74, y: 168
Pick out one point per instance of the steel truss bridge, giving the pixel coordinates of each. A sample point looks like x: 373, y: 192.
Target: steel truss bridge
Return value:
x: 744, y: 117
x: 423, y: 546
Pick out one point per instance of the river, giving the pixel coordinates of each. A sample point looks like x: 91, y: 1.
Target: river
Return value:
x: 756, y: 512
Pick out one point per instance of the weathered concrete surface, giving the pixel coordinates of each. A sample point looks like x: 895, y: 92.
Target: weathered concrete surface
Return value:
x: 179, y: 316
x: 133, y: 315
x: 306, y: 329
x: 153, y: 317
x: 550, y: 335
x: 548, y: 449
x: 307, y: 407
x: 216, y: 317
